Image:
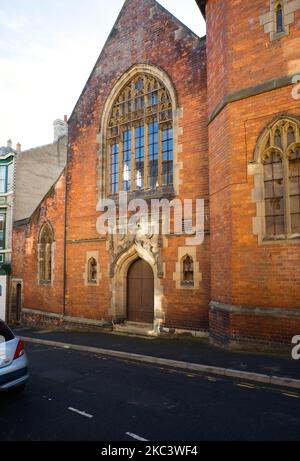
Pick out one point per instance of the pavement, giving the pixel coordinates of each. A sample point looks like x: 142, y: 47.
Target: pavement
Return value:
x: 81, y: 396
x: 185, y: 353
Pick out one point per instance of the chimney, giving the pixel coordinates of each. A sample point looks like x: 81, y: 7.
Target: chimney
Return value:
x: 60, y: 128
x: 9, y: 143
x: 66, y: 118
x: 18, y: 148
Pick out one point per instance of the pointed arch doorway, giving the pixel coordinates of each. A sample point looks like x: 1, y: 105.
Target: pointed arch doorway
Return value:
x: 140, y: 292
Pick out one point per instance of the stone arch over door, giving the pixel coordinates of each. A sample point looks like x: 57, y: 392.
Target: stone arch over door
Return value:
x: 119, y: 285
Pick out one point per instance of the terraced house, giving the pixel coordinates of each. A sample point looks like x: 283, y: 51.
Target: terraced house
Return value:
x: 166, y: 114
x: 7, y: 189
x: 7, y: 197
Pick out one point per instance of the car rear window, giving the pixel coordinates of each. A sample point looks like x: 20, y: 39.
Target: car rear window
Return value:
x: 5, y: 333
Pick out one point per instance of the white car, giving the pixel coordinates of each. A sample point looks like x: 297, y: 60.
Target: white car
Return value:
x: 13, y: 360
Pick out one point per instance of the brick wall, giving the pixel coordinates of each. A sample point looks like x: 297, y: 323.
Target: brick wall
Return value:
x: 236, y: 269
x: 48, y: 298
x: 144, y: 33
x: 250, y: 331
x: 187, y: 309
x: 240, y: 52
x: 244, y: 272
x: 263, y: 275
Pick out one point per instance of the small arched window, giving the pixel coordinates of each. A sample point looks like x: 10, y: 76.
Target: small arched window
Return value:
x: 92, y: 270
x: 46, y: 241
x: 279, y: 19
x: 140, y: 136
x: 280, y: 160
x: 187, y: 271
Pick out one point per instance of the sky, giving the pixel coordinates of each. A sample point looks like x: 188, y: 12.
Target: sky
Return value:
x: 48, y: 49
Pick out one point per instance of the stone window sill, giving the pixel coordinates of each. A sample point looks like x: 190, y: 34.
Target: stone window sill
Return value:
x: 147, y: 194
x: 279, y: 35
x: 282, y: 239
x: 187, y: 284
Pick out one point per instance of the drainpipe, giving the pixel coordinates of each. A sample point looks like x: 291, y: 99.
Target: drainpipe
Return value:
x: 65, y: 233
x: 65, y: 243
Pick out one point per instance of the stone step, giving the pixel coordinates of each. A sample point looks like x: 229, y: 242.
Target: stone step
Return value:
x: 138, y: 324
x: 140, y: 329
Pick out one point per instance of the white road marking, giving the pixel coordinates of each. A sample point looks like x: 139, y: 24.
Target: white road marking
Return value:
x: 291, y: 395
x: 82, y: 413
x: 136, y: 437
x: 248, y: 386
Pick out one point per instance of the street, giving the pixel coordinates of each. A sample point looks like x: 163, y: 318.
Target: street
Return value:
x: 81, y: 396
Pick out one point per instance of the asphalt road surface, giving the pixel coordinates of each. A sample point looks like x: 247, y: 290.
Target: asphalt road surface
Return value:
x: 81, y: 396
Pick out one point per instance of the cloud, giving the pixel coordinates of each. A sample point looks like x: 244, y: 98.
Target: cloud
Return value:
x: 13, y: 22
x: 46, y: 58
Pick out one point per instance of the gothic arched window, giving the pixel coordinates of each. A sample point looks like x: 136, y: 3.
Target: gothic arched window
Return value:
x: 46, y: 241
x: 187, y: 270
x: 92, y: 270
x: 280, y: 159
x: 140, y: 136
x: 279, y: 19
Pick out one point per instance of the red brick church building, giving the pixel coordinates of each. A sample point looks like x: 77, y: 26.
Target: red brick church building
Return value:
x: 166, y: 114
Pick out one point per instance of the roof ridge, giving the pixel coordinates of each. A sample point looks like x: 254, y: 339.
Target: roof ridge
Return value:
x: 154, y: 3
x: 176, y: 19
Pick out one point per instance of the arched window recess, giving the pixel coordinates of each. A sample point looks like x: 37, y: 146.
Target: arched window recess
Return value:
x: 45, y: 254
x: 187, y: 271
x: 140, y: 137
x: 279, y: 159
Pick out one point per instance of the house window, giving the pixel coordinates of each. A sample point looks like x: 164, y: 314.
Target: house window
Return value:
x: 280, y: 160
x: 139, y: 157
x: 46, y: 241
x: 187, y: 271
x: 114, y: 168
x: 140, y: 136
x: 92, y: 270
x: 2, y: 231
x: 167, y: 155
x: 279, y: 19
x: 187, y: 226
x: 274, y: 193
x: 6, y: 178
x: 9, y: 177
x: 126, y: 164
x: 3, y: 179
x: 153, y: 155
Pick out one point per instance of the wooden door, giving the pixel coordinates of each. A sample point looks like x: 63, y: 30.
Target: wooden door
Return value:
x: 140, y: 292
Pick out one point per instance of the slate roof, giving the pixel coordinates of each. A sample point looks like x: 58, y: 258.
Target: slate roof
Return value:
x: 4, y: 150
x: 36, y: 171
